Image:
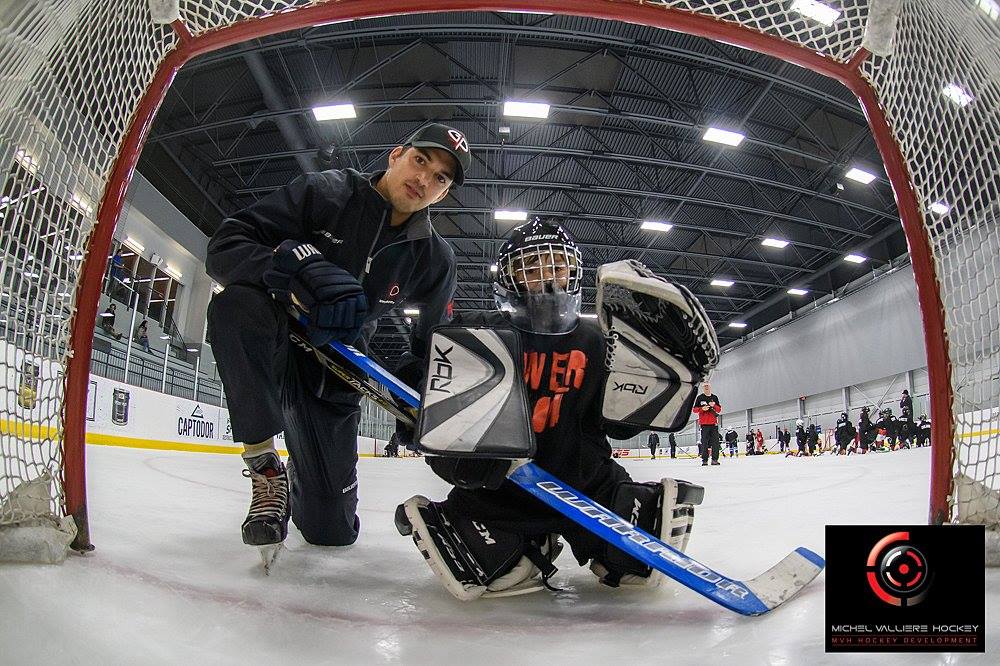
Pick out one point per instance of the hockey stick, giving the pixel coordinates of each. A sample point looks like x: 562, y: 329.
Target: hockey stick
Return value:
x: 753, y: 597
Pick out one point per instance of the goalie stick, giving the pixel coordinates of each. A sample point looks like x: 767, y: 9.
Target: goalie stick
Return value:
x: 751, y: 597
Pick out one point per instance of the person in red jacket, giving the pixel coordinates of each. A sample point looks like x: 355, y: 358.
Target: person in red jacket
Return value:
x: 760, y: 442
x: 708, y: 408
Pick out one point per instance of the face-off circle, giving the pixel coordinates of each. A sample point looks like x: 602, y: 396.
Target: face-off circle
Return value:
x: 897, y: 571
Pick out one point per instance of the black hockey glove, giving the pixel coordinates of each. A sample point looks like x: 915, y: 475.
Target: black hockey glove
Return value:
x: 331, y: 297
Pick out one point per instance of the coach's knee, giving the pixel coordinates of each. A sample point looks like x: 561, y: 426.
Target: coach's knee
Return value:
x: 327, y: 524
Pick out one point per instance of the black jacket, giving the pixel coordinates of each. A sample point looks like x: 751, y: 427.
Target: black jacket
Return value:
x: 341, y: 213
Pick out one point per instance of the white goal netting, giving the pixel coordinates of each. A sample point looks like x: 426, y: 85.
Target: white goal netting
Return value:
x: 75, y: 73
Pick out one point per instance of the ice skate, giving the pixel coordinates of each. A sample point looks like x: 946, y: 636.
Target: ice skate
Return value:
x: 266, y: 524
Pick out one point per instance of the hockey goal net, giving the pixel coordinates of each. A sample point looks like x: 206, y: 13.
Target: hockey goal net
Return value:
x: 82, y: 80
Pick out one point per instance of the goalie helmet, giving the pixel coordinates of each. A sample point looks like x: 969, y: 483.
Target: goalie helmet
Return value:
x: 539, y: 278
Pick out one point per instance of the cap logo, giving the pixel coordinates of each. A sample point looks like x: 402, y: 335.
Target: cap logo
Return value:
x: 458, y: 140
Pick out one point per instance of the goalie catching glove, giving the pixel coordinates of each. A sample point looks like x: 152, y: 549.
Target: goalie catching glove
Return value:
x: 660, y: 344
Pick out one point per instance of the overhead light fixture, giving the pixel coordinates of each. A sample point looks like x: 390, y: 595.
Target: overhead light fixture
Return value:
x: 192, y: 349
x: 722, y: 283
x: 75, y: 257
x: 794, y: 291
x: 81, y: 203
x: 991, y: 8
x: 134, y: 244
x: 774, y: 242
x: 716, y: 135
x: 526, y: 109
x: 737, y: 324
x: 840, y: 187
x: 217, y: 288
x: 817, y: 11
x: 656, y: 226
x: 172, y: 272
x: 503, y: 129
x: 771, y: 330
x: 939, y: 208
x: 834, y: 299
x: 164, y: 337
x: 26, y: 160
x: 334, y: 112
x: 957, y: 94
x: 589, y: 315
x: 860, y: 175
x: 411, y: 312
x: 511, y: 215
x: 855, y: 258
x: 493, y: 268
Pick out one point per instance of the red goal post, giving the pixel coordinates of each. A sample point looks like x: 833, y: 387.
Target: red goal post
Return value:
x: 89, y: 76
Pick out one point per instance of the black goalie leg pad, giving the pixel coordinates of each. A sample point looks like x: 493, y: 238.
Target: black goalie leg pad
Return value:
x: 663, y: 508
x: 475, y: 559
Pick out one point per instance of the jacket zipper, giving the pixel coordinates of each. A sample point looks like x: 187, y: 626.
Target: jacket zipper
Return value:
x: 378, y: 232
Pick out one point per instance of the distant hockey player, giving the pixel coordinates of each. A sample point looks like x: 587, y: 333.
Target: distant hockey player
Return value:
x: 800, y: 437
x: 866, y: 430
x: 923, y: 431
x: 844, y: 433
x: 708, y: 408
x: 812, y: 438
x: 653, y: 442
x: 673, y: 445
x: 887, y: 425
x: 750, y: 442
x: 760, y: 442
x: 731, y: 442
x: 489, y: 537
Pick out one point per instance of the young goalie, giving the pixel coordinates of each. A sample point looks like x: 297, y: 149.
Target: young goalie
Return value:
x: 574, y: 382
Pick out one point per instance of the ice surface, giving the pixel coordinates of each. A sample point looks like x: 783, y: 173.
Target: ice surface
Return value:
x: 171, y: 582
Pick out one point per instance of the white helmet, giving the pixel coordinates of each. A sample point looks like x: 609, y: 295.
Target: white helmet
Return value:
x: 798, y: 422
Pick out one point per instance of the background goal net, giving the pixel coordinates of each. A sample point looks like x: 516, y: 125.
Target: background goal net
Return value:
x: 81, y: 81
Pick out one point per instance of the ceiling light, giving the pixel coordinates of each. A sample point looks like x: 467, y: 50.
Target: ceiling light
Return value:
x: 411, y: 312
x: 75, y: 257
x: 81, y: 203
x: 164, y: 337
x: 504, y: 129
x: 834, y: 299
x: 716, y: 135
x: 493, y: 268
x: 722, y: 283
x: 840, y: 187
x: 526, y: 109
x: 798, y: 292
x: 817, y: 11
x: 656, y: 226
x: 589, y: 315
x: 134, y: 244
x: 855, y: 258
x: 334, y: 112
x: 774, y: 242
x: 172, y: 272
x: 511, y: 215
x: 26, y: 160
x: 192, y: 349
x: 991, y: 7
x: 217, y: 288
x: 939, y: 208
x: 737, y: 324
x: 860, y: 175
x: 771, y: 330
x: 956, y: 94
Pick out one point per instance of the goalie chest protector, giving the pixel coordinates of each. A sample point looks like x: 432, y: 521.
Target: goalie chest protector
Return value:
x: 474, y: 403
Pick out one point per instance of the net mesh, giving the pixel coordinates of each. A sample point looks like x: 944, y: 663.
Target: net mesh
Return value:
x: 74, y: 72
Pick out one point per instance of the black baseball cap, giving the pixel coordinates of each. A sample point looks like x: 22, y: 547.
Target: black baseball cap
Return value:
x: 446, y: 138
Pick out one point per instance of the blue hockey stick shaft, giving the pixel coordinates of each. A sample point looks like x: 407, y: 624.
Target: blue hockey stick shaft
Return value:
x: 753, y: 597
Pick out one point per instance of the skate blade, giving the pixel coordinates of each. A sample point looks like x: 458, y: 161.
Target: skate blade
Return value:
x: 269, y: 555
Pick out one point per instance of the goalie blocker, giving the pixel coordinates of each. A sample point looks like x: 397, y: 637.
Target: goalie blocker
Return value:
x: 660, y: 345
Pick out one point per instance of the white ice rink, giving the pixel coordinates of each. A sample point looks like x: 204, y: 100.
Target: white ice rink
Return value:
x: 171, y: 582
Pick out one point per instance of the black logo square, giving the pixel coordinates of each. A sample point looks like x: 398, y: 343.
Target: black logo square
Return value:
x: 897, y: 588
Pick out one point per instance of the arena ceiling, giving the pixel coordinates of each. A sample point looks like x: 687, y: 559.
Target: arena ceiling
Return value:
x: 622, y: 145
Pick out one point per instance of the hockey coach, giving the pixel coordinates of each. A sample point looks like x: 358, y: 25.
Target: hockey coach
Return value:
x: 344, y: 248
